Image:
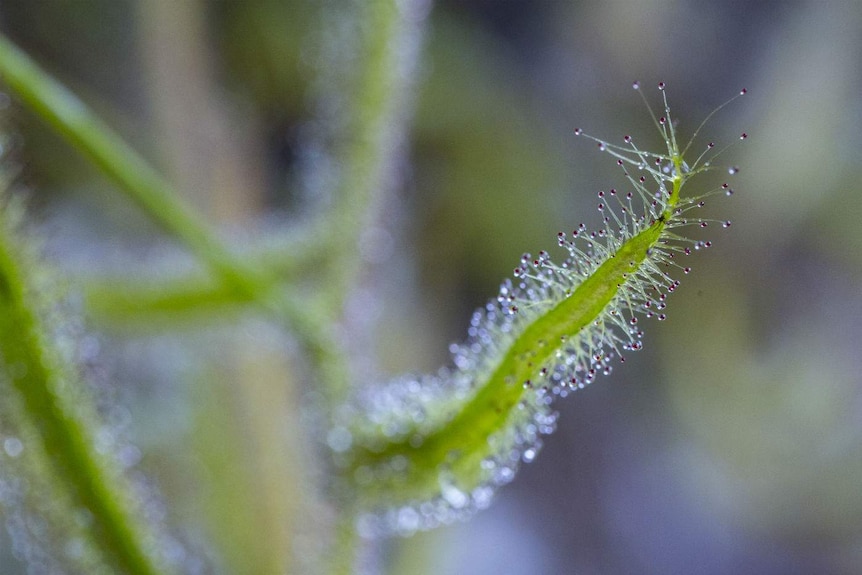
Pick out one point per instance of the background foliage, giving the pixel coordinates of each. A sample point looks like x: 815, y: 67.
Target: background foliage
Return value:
x: 734, y: 444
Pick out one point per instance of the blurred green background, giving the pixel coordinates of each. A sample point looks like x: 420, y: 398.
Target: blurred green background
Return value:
x: 732, y: 444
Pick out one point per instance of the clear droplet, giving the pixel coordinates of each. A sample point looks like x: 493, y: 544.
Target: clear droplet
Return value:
x: 339, y: 439
x: 408, y: 520
x: 454, y: 496
x: 13, y: 446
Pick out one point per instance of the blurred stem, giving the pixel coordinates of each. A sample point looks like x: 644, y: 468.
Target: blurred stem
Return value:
x: 249, y: 485
x: 377, y: 119
x: 390, y: 38
x: 61, y: 418
x: 248, y: 439
x: 71, y: 118
x: 345, y: 550
x: 120, y: 301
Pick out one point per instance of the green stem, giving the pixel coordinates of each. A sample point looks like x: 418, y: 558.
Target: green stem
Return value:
x: 344, y: 552
x: 498, y: 397
x: 118, y: 301
x: 377, y: 110
x: 36, y: 372
x: 377, y: 117
x: 71, y: 118
x: 461, y: 443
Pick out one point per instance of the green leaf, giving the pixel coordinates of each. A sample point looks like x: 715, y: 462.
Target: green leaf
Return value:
x: 423, y: 451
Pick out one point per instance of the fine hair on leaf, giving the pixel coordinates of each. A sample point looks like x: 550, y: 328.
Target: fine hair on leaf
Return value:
x: 427, y: 450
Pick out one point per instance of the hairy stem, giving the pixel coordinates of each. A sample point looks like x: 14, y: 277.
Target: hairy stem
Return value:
x: 466, y: 435
x: 48, y: 392
x: 390, y: 38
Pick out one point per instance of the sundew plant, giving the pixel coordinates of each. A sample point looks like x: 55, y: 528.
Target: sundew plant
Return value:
x: 423, y: 451
x: 387, y: 458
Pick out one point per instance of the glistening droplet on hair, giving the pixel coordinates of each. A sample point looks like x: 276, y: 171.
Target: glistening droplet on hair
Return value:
x: 430, y: 449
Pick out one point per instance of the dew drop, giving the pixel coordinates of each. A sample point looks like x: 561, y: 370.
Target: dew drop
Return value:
x: 129, y: 456
x: 743, y: 92
x: 503, y: 475
x: 578, y: 131
x: 636, y: 85
x: 661, y: 85
x: 743, y: 136
x: 408, y: 520
x: 733, y: 170
x: 13, y: 446
x: 454, y: 496
x: 339, y: 439
x: 627, y: 139
x: 482, y: 497
x: 726, y: 224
